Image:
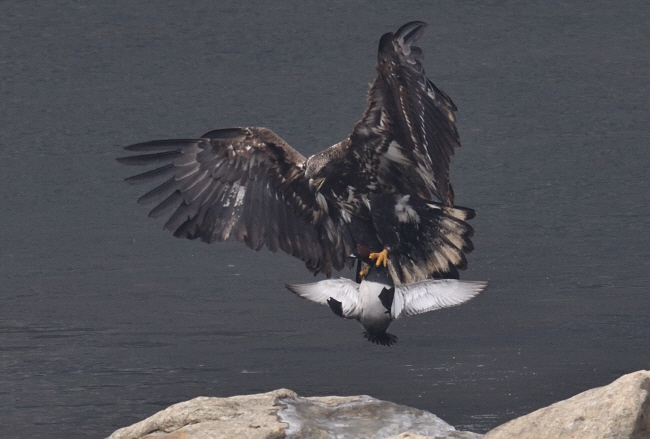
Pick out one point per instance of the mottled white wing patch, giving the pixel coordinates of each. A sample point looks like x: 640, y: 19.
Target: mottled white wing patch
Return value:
x: 405, y: 213
x: 395, y: 154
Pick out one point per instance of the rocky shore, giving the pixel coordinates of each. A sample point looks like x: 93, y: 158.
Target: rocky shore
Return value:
x: 620, y: 410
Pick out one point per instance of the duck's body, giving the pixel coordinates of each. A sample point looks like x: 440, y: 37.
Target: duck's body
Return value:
x: 376, y: 294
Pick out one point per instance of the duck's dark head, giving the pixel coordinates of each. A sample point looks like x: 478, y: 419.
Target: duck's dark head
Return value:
x: 379, y: 275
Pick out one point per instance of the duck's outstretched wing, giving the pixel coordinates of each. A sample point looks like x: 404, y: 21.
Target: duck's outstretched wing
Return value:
x: 242, y: 182
x: 409, y: 129
x: 429, y: 295
x: 342, y: 295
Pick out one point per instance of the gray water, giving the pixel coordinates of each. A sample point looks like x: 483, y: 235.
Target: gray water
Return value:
x: 106, y: 319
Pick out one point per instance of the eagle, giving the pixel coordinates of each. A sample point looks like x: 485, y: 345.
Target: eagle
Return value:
x: 376, y: 301
x: 382, y: 194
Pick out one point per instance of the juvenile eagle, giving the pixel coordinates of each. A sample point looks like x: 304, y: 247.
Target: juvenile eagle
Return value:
x: 371, y: 195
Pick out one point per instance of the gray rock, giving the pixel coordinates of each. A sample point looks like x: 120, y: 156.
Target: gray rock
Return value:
x: 246, y: 417
x: 620, y: 410
x: 282, y: 413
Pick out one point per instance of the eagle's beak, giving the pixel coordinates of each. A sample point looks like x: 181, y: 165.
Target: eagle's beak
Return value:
x: 315, y: 184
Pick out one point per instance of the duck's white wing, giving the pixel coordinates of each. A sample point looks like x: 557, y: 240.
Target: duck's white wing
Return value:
x: 342, y: 290
x: 429, y: 295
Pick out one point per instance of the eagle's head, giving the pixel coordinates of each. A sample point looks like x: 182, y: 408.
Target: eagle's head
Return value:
x: 323, y: 166
x: 316, y: 170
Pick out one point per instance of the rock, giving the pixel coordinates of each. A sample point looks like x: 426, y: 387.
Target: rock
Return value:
x: 620, y: 410
x: 246, y: 417
x: 282, y: 413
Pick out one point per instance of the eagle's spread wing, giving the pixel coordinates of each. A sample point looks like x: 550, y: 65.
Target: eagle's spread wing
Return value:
x: 344, y: 291
x: 408, y: 130
x: 242, y: 182
x: 429, y: 295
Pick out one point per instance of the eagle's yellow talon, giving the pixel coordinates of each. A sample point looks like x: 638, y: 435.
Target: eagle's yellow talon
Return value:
x: 381, y: 258
x: 364, y: 272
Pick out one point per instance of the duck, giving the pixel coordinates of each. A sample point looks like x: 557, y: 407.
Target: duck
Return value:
x: 376, y: 300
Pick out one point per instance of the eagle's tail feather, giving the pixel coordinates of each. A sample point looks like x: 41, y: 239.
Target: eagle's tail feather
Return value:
x: 460, y: 213
x: 433, y: 243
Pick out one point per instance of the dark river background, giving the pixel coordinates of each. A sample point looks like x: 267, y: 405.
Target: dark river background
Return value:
x: 106, y: 319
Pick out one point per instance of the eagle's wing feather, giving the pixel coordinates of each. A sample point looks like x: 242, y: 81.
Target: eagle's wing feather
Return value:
x: 409, y: 129
x: 429, y: 295
x: 342, y: 290
x: 246, y: 183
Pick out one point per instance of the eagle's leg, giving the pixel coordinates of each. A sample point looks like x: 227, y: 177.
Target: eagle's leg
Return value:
x: 381, y: 258
x: 363, y: 272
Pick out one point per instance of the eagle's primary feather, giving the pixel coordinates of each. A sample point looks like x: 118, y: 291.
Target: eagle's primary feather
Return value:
x: 385, y: 186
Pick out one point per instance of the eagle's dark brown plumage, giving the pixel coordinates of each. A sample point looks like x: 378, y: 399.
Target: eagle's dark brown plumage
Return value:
x: 385, y: 186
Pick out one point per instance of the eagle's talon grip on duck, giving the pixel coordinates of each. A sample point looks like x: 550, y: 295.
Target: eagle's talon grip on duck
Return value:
x: 381, y: 258
x: 364, y: 272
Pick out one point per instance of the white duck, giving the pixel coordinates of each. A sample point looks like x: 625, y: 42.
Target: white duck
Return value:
x: 376, y: 301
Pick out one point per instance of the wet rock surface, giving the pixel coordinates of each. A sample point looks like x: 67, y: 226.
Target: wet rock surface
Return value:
x: 361, y: 417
